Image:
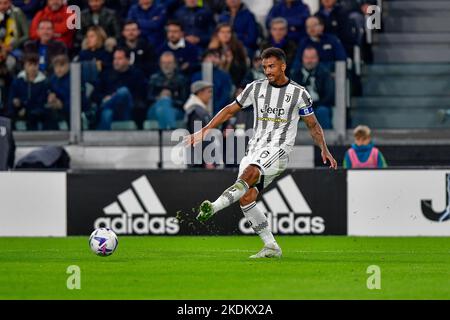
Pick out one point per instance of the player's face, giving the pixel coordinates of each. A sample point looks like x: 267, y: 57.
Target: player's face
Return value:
x: 273, y: 69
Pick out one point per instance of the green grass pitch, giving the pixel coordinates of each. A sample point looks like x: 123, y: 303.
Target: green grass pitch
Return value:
x: 319, y: 267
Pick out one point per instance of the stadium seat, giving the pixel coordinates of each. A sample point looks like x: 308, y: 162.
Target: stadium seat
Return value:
x: 84, y: 121
x: 124, y: 125
x: 21, y: 126
x: 151, y: 125
x: 63, y: 125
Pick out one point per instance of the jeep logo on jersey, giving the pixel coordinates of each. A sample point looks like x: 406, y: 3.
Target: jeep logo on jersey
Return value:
x: 287, y: 211
x: 427, y: 206
x: 138, y: 211
x: 275, y: 111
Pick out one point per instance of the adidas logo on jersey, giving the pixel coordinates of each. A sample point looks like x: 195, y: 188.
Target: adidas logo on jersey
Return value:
x: 138, y: 211
x: 287, y: 211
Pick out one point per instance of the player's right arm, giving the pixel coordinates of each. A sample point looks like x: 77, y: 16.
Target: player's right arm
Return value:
x: 224, y: 115
x: 243, y: 100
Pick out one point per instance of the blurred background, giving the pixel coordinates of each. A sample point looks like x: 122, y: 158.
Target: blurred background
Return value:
x: 108, y: 81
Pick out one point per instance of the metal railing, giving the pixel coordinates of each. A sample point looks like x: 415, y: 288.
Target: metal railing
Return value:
x: 75, y: 102
x: 341, y: 98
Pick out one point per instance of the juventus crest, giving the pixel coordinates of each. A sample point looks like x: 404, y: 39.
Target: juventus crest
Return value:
x: 288, y: 97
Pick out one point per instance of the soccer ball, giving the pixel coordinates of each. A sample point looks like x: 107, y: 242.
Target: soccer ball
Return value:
x: 103, y: 242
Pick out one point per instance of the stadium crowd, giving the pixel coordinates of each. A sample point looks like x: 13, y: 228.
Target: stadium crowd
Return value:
x: 140, y: 57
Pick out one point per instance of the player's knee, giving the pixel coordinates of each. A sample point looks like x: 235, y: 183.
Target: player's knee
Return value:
x: 251, y: 175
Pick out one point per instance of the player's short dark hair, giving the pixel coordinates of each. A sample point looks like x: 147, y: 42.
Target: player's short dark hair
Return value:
x: 175, y: 23
x: 274, y: 52
x: 125, y: 50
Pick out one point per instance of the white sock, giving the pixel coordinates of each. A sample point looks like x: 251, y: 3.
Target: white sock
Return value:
x: 259, y: 223
x: 231, y: 195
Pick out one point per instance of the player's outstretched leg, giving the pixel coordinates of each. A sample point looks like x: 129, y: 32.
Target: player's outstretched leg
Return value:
x: 260, y: 225
x: 248, y: 178
x: 231, y: 195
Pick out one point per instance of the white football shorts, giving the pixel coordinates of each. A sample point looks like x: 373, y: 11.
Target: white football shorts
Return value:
x: 271, y: 162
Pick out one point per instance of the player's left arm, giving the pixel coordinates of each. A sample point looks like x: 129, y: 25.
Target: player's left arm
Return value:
x: 318, y: 136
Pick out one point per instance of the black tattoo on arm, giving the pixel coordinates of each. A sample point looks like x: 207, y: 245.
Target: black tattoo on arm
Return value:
x: 316, y: 132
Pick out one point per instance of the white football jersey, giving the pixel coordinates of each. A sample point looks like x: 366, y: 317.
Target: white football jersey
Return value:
x: 277, y: 110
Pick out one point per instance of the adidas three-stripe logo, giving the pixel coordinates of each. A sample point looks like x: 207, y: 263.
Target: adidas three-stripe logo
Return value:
x: 139, y: 199
x: 287, y: 211
x: 285, y: 198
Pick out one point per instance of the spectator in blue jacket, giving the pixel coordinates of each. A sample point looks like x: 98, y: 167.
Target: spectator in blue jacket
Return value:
x: 171, y: 6
x: 151, y: 19
x: 28, y: 94
x: 119, y: 91
x: 337, y: 21
x: 223, y: 84
x: 320, y: 85
x: 295, y: 12
x: 278, y: 38
x: 167, y: 92
x: 197, y: 23
x: 187, y: 54
x: 328, y: 46
x: 58, y: 99
x: 243, y: 22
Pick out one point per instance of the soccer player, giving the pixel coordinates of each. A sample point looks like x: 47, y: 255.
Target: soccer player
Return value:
x: 278, y: 103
